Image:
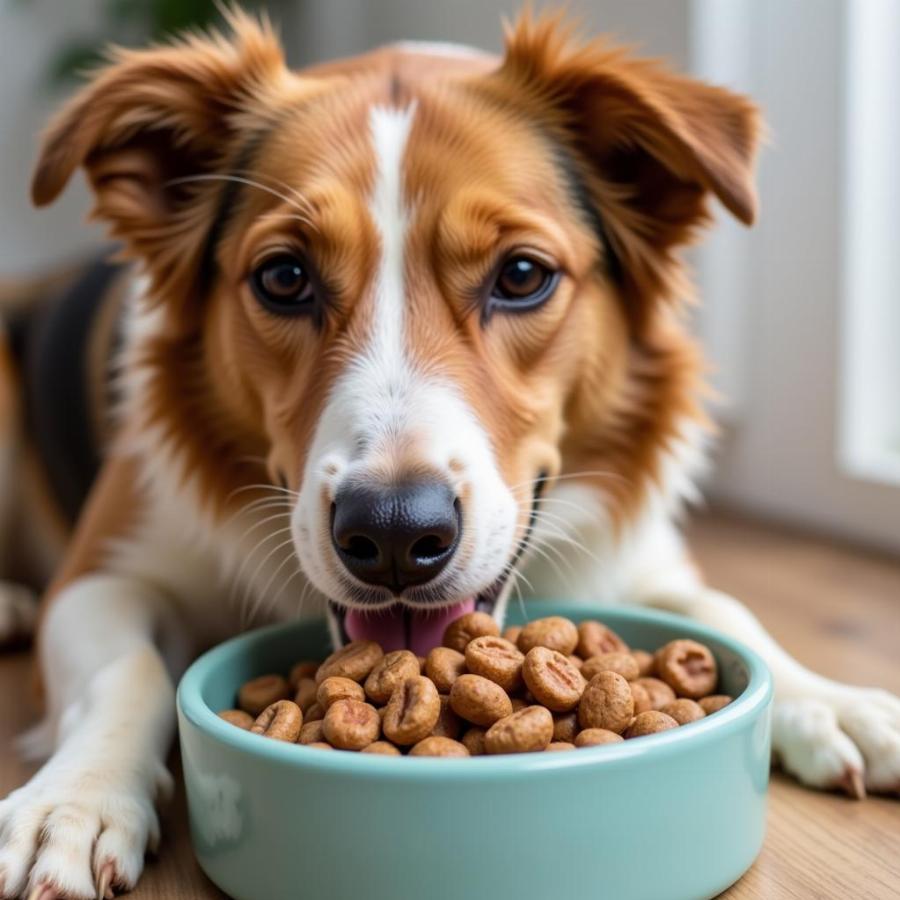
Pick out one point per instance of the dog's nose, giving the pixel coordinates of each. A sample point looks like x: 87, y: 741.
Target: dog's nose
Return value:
x: 395, y: 536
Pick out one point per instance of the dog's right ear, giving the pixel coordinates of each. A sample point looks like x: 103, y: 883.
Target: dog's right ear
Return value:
x: 154, y: 116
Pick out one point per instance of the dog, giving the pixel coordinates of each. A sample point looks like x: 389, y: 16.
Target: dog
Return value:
x: 394, y: 337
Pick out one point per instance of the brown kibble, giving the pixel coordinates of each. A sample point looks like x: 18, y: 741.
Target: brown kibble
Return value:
x: 606, y: 703
x: 479, y: 700
x: 684, y: 711
x: 305, y: 693
x: 565, y: 727
x: 301, y: 670
x: 553, y: 680
x: 338, y: 688
x: 311, y: 732
x: 594, y: 737
x: 320, y: 745
x: 623, y: 663
x: 351, y: 724
x: 383, y: 748
x: 714, y: 702
x: 443, y: 666
x: 314, y: 713
x: 473, y: 740
x: 576, y: 661
x: 468, y: 627
x: 258, y: 693
x: 560, y: 745
x: 658, y: 692
x: 552, y: 632
x: 527, y: 731
x: 688, y: 667
x: 354, y: 661
x: 645, y: 661
x: 421, y: 661
x: 595, y: 638
x: 512, y: 632
x: 438, y: 746
x: 520, y: 703
x: 413, y: 711
x: 650, y: 722
x: 389, y: 673
x: 237, y: 717
x: 497, y: 659
x: 641, y: 697
x: 449, y: 723
x: 281, y: 721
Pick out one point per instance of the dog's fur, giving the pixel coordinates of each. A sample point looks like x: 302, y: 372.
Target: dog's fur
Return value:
x: 403, y: 176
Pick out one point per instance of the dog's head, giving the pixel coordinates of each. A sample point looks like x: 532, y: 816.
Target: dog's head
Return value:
x: 417, y: 287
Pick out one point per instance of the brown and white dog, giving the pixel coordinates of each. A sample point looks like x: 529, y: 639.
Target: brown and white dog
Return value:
x: 401, y: 332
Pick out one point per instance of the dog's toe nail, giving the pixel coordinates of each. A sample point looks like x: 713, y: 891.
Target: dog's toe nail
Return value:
x: 104, y: 880
x: 852, y: 784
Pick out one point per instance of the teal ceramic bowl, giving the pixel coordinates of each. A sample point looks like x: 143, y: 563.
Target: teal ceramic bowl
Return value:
x: 675, y: 816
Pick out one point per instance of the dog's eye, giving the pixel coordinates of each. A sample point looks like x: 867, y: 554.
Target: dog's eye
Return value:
x: 282, y: 285
x: 523, y: 283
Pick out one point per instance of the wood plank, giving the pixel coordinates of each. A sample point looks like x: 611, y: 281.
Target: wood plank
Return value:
x: 836, y: 608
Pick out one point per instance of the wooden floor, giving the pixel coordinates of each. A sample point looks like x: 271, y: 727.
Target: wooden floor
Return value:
x: 836, y: 609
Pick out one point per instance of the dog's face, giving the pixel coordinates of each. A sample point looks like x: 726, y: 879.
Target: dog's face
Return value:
x: 419, y: 288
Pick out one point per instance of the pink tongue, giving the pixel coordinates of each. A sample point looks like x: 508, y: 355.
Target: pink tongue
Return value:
x: 388, y: 626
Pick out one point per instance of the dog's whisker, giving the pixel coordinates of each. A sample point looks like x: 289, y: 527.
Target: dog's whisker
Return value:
x: 257, y: 596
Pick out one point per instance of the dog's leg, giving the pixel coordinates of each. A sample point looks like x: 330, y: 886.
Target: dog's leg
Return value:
x: 827, y: 734
x: 80, y: 827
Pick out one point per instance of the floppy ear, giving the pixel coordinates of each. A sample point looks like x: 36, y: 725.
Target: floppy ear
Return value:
x: 650, y: 145
x: 152, y: 117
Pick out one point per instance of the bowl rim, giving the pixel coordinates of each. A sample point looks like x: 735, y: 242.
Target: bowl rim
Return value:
x: 756, y: 695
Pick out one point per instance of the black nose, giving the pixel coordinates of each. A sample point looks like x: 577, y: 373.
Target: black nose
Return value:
x: 395, y: 536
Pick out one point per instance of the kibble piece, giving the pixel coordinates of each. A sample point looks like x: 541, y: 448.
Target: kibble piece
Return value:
x: 473, y: 740
x: 421, y: 661
x: 595, y: 638
x: 390, y: 672
x: 688, y: 667
x: 314, y: 713
x: 553, y: 680
x: 684, y: 711
x: 449, y: 723
x: 412, y: 711
x: 658, y: 692
x: 552, y: 632
x: 468, y: 627
x: 594, y: 737
x: 714, y: 702
x: 305, y: 693
x: 312, y: 732
x: 338, y: 688
x: 512, y: 632
x: 255, y: 695
x: 281, y: 721
x: 438, y: 746
x: 649, y: 723
x: 560, y: 745
x: 527, y: 731
x: 351, y: 724
x: 565, y: 727
x: 623, y: 663
x: 354, y: 661
x: 237, y: 717
x: 576, y: 661
x: 479, y: 700
x: 443, y: 666
x: 320, y: 745
x: 645, y: 661
x: 301, y: 670
x: 383, y: 748
x: 606, y: 703
x: 496, y: 659
x: 641, y: 697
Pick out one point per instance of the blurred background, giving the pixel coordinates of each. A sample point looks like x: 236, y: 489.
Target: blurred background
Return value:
x: 800, y: 315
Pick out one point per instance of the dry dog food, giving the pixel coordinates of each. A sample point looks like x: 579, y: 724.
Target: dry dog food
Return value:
x: 550, y: 685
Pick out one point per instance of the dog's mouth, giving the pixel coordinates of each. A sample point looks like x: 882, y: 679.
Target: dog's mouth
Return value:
x: 417, y: 628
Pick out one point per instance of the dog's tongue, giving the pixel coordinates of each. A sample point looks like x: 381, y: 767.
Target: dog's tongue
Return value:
x: 389, y: 626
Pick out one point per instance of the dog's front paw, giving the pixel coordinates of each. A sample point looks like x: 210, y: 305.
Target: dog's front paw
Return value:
x: 846, y: 739
x: 76, y: 835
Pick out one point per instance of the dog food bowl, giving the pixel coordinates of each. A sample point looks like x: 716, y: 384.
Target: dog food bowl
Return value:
x: 675, y: 816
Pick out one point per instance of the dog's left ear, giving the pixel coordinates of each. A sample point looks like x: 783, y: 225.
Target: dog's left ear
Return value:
x: 650, y: 145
